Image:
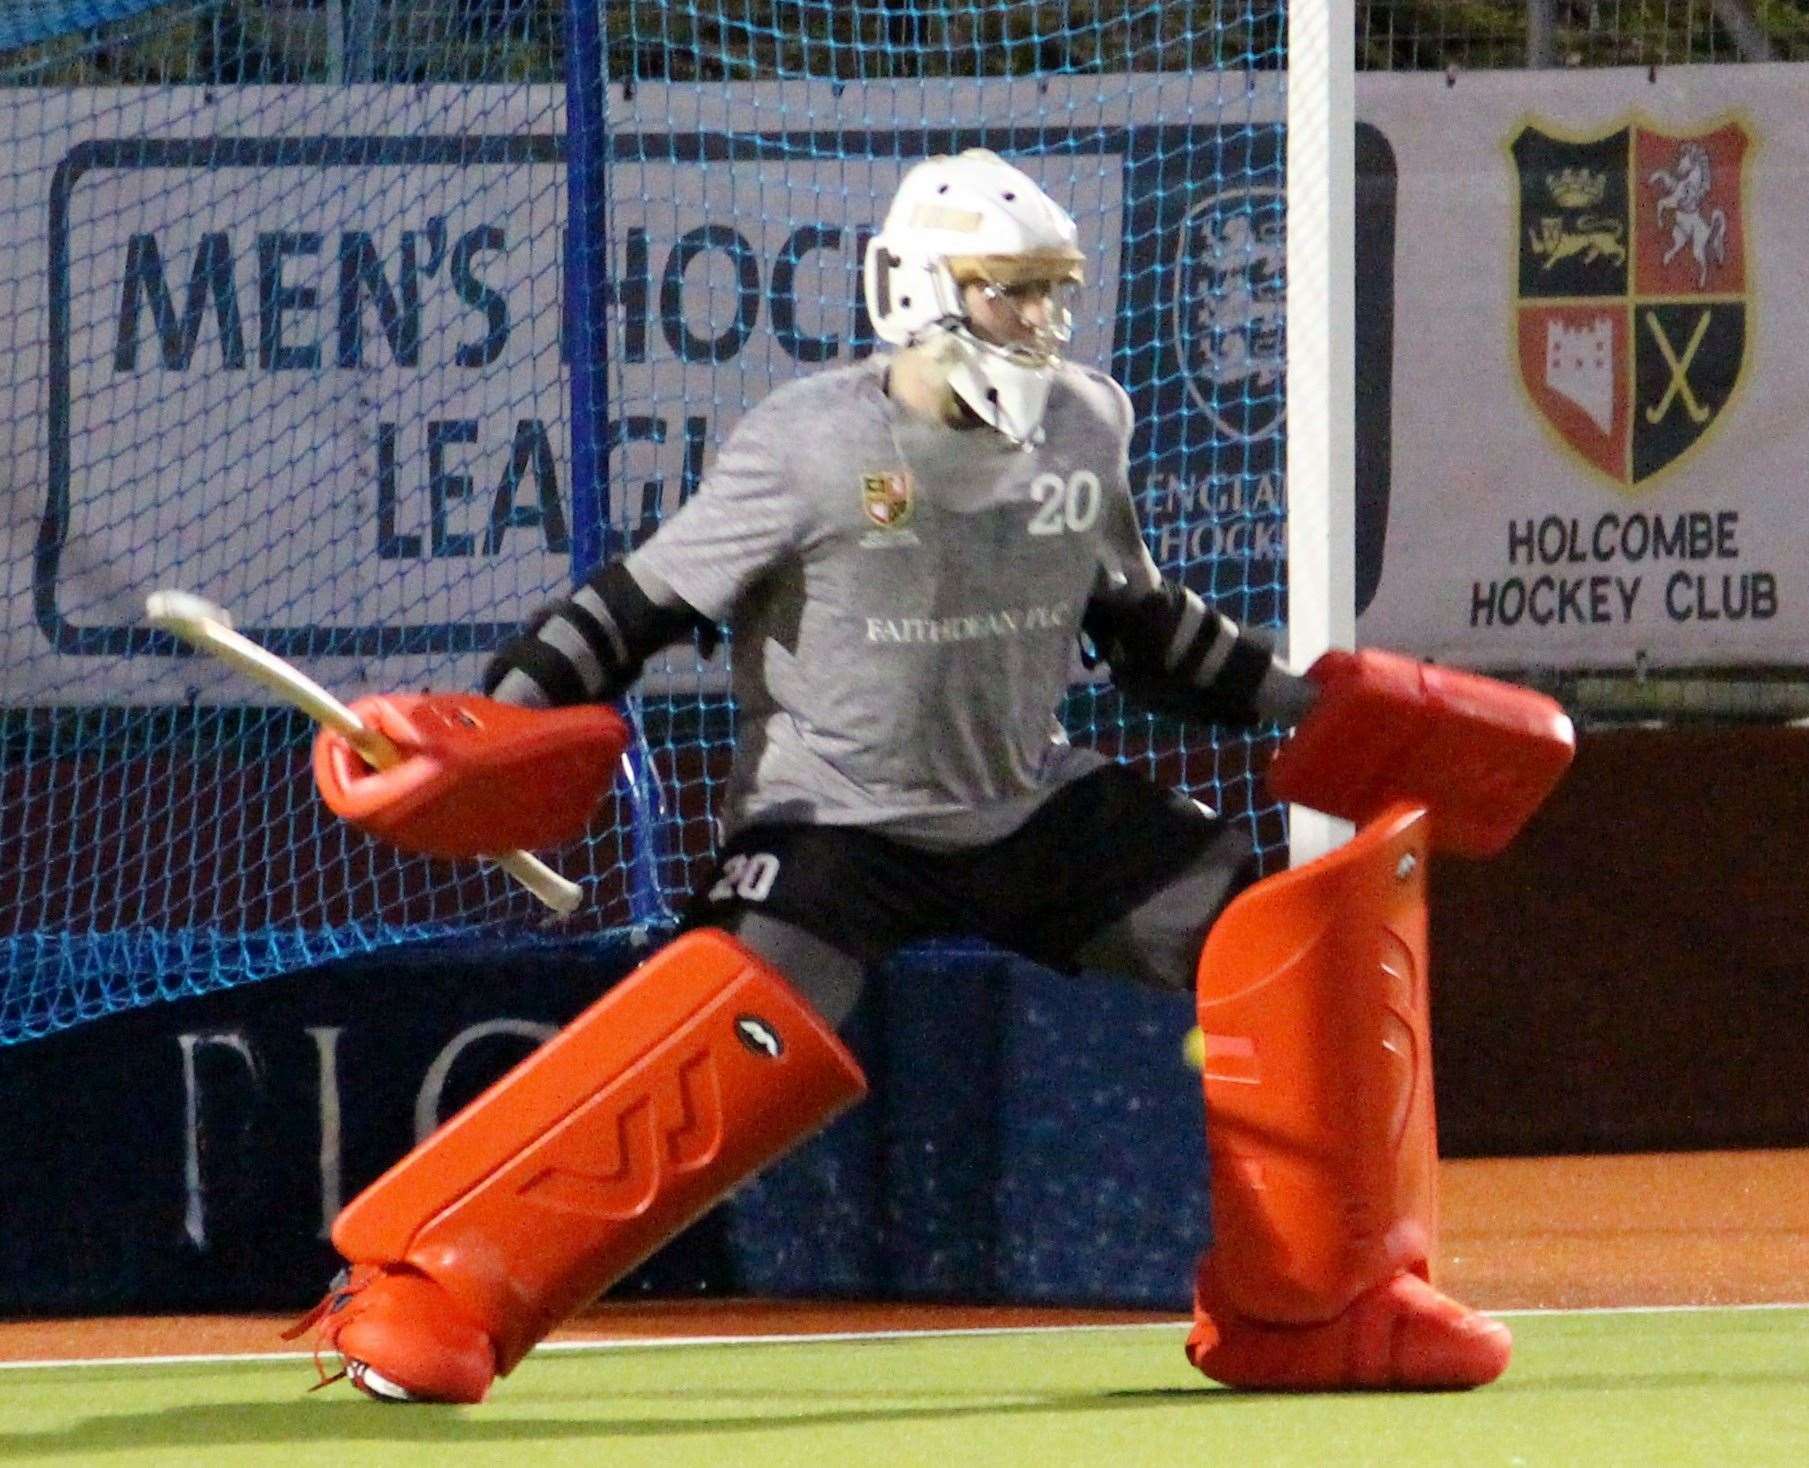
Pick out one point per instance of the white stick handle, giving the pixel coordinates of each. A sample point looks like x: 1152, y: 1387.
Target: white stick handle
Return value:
x: 206, y: 627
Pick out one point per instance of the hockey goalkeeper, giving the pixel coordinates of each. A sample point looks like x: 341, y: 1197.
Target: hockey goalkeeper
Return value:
x: 905, y: 551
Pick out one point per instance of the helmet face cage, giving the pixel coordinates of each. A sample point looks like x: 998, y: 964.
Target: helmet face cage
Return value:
x: 975, y: 221
x: 1044, y: 337
x: 1016, y: 281
x: 970, y: 219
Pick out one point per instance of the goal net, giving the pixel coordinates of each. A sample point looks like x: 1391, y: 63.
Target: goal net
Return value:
x: 379, y: 323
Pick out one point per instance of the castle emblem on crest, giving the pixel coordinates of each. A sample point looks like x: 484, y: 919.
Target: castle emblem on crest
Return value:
x: 1230, y: 310
x: 1632, y: 289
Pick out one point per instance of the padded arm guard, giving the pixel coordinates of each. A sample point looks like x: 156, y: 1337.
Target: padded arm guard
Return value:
x: 1172, y: 654
x: 590, y: 647
x: 476, y: 777
x: 1480, y: 755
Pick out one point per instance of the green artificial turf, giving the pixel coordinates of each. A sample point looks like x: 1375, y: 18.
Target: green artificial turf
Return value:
x: 1720, y: 1387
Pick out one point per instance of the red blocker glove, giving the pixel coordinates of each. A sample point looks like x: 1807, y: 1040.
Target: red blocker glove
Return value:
x: 475, y: 777
x: 1479, y: 754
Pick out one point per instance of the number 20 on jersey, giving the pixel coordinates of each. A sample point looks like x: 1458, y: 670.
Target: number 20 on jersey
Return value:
x: 1064, y: 504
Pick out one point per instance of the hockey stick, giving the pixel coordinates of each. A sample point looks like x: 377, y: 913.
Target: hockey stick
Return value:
x: 209, y: 629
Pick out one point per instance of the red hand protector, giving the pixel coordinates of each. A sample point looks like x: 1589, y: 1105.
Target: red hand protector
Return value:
x: 476, y: 777
x: 1479, y: 754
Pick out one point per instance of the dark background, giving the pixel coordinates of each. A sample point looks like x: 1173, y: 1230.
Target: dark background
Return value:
x: 1628, y: 977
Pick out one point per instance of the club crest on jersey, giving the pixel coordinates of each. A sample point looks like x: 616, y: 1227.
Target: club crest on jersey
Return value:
x: 1632, y: 289
x: 888, y: 498
x: 1229, y: 310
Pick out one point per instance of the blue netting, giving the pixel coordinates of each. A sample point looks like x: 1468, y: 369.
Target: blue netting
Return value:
x: 322, y: 349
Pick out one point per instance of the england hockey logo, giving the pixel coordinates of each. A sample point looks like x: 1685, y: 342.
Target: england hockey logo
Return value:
x: 1230, y: 310
x: 1632, y: 287
x: 887, y: 498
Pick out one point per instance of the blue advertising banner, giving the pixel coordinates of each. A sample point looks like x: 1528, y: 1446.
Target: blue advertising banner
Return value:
x: 1028, y: 1138
x: 305, y: 344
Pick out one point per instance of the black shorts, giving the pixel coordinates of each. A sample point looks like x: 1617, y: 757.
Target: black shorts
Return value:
x: 1093, y: 852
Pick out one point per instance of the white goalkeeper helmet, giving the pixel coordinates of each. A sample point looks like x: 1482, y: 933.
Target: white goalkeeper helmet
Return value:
x: 975, y: 220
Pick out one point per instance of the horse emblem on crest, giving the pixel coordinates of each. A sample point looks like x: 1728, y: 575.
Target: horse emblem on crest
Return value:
x: 1687, y: 194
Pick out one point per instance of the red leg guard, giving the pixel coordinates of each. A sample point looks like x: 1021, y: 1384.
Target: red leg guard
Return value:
x: 694, y: 1072
x: 1318, y: 1073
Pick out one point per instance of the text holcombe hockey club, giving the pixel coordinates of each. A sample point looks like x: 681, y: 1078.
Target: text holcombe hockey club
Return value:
x: 1616, y: 567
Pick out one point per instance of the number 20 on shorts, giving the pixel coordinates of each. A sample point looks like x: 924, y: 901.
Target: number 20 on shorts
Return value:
x: 749, y: 877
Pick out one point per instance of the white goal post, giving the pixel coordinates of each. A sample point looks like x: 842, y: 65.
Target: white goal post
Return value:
x: 1321, y: 326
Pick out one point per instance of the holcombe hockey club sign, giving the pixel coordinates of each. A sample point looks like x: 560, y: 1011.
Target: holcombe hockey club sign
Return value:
x: 1600, y: 439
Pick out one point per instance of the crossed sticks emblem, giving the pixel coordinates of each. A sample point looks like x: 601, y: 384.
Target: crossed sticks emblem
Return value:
x: 1679, y: 386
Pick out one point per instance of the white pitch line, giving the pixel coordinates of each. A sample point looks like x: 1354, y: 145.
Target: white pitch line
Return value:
x: 1651, y: 1309
x: 620, y: 1343
x: 646, y: 1343
x: 258, y: 1357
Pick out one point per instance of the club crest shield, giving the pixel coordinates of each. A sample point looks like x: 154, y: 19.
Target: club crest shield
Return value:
x: 1632, y: 289
x: 886, y: 497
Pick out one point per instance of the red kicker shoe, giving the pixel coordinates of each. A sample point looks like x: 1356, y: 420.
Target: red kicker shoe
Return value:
x: 402, y: 1338
x: 1401, y: 1335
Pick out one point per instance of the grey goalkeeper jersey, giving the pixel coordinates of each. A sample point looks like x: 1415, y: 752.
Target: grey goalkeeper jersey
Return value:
x: 903, y: 599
